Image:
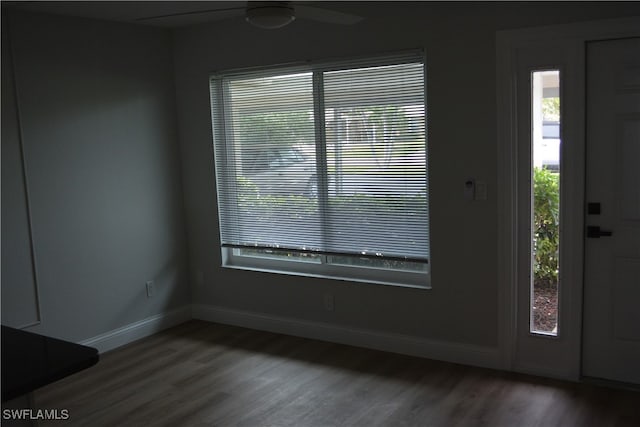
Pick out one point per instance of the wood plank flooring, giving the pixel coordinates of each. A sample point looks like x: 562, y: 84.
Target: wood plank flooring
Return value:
x: 204, y: 374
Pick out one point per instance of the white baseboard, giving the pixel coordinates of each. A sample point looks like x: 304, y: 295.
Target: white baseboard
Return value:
x: 135, y: 331
x: 466, y: 354
x: 487, y: 357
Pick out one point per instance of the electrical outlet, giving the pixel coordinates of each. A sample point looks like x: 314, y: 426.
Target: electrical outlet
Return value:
x: 329, y: 302
x: 151, y: 288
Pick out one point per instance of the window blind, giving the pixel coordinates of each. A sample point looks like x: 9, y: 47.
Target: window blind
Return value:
x: 325, y: 158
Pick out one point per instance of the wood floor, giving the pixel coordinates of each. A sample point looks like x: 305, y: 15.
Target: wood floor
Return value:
x: 204, y: 374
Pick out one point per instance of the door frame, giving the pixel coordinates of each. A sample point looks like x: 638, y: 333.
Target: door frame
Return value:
x: 510, y: 45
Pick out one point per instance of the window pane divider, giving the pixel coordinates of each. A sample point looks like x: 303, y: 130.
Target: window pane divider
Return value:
x: 321, y: 154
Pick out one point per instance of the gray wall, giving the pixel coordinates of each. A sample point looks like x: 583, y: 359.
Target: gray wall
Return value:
x: 459, y: 40
x: 96, y: 104
x: 19, y: 299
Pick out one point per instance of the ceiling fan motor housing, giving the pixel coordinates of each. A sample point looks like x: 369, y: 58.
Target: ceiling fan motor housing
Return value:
x: 270, y: 15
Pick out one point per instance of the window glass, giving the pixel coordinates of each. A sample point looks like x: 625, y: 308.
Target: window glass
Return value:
x: 545, y: 239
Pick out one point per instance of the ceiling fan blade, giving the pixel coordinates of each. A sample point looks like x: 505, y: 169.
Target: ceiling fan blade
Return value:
x: 326, y: 15
x: 194, y: 16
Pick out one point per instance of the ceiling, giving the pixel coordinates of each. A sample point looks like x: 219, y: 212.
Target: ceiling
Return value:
x: 170, y: 14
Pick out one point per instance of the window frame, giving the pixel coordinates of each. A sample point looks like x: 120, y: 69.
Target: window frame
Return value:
x: 231, y: 258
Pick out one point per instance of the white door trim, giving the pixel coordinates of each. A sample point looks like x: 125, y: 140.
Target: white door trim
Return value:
x: 508, y: 43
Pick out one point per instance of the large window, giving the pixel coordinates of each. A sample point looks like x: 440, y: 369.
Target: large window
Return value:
x: 322, y: 169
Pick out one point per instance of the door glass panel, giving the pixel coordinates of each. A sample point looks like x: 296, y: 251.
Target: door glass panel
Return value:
x: 545, y: 235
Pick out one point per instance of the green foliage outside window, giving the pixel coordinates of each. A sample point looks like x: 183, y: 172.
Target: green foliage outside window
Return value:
x: 284, y: 128
x: 551, y: 109
x: 546, y: 220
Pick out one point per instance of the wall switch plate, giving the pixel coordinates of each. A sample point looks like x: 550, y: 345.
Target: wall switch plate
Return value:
x: 151, y: 288
x: 481, y: 190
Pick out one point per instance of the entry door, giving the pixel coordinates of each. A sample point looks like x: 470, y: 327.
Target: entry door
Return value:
x: 611, y: 328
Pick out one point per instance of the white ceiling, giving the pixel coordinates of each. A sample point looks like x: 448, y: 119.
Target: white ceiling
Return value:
x: 170, y: 14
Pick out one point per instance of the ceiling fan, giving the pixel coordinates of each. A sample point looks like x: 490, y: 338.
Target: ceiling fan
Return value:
x: 270, y: 14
